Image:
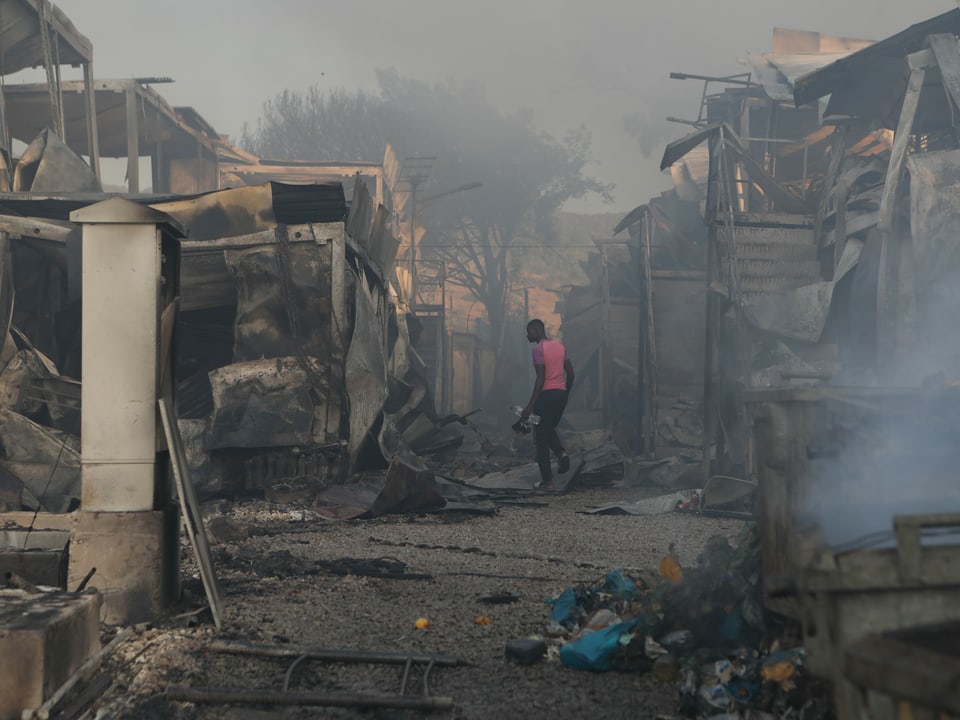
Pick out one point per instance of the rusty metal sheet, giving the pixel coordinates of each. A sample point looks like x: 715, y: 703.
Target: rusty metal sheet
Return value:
x: 20, y: 36
x: 228, y: 213
x: 361, y: 215
x: 283, y: 299
x: 409, y: 486
x: 206, y: 281
x: 47, y: 462
x: 344, y: 502
x: 268, y: 403
x: 48, y: 165
x: 366, y: 373
x: 777, y: 72
x: 383, y: 244
x: 862, y: 63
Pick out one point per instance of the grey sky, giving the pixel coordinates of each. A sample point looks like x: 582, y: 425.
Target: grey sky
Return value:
x: 571, y: 62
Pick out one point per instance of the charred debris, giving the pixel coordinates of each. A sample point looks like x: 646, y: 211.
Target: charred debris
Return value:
x: 809, y: 223
x: 293, y: 353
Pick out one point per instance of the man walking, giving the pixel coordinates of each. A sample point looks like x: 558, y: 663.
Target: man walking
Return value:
x: 549, y: 399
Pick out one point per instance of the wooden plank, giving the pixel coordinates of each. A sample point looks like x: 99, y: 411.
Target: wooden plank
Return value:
x: 93, y: 136
x: 944, y: 48
x: 833, y: 170
x: 190, y: 508
x: 901, y: 143
x: 678, y: 275
x: 888, y: 284
x: 133, y: 140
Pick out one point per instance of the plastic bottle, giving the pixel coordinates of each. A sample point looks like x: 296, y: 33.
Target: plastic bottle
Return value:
x: 532, y: 420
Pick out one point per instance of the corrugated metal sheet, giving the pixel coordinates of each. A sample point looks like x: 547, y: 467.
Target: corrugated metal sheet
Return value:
x: 770, y: 258
x: 777, y: 72
x: 824, y: 81
x: 20, y: 36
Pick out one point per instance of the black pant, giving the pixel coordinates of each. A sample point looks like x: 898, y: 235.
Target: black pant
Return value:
x: 549, y: 406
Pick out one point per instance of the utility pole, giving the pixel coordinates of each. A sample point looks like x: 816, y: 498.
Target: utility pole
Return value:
x: 412, y: 256
x: 414, y: 171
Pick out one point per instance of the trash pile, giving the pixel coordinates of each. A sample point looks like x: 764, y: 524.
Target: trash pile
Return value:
x: 702, y: 627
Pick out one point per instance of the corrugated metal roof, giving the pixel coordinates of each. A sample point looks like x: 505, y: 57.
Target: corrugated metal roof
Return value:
x: 290, y: 204
x: 20, y: 38
x: 778, y: 72
x: 822, y: 82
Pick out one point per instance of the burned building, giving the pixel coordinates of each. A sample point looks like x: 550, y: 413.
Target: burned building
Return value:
x: 292, y: 359
x: 768, y: 162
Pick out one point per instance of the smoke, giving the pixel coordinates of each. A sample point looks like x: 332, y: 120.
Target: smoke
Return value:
x: 872, y: 456
x: 572, y: 63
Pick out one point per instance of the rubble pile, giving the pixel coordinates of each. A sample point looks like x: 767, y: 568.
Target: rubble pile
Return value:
x: 702, y: 627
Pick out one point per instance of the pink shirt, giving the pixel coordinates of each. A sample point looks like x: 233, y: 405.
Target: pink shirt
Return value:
x: 552, y: 355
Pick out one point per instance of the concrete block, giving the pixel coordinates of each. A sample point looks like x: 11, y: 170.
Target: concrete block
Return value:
x: 38, y: 556
x: 137, y: 557
x: 44, y: 638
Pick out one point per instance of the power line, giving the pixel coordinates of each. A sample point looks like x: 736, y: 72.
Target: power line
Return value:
x: 531, y: 246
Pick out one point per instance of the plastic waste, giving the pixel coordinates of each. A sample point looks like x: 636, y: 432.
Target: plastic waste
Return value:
x: 715, y: 696
x: 652, y: 649
x: 564, y: 608
x: 671, y: 569
x: 534, y: 419
x: 677, y: 640
x: 601, y: 619
x: 619, y: 585
x: 781, y: 667
x: 595, y: 651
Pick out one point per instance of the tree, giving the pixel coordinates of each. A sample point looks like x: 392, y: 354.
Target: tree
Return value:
x: 325, y: 127
x: 526, y: 174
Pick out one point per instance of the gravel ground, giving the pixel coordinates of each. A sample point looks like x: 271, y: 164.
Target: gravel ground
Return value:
x: 275, y: 593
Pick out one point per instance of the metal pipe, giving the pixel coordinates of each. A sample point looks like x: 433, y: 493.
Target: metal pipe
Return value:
x: 275, y: 697
x: 331, y: 654
x: 732, y: 79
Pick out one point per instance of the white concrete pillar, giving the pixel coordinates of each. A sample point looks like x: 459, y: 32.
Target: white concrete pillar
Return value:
x: 123, y: 297
x: 121, y: 320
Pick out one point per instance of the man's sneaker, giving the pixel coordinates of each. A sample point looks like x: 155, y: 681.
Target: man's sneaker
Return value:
x: 563, y: 464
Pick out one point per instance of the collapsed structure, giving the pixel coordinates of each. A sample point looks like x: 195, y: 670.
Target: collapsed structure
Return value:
x: 829, y: 349
x: 293, y: 357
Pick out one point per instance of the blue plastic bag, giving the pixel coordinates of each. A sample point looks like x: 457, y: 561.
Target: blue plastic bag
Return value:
x: 595, y: 651
x: 565, y: 610
x: 619, y: 586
